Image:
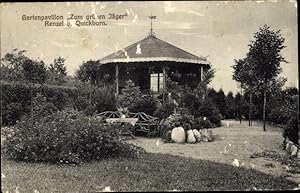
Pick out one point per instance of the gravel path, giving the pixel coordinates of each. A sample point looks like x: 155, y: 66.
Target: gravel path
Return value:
x: 232, y: 141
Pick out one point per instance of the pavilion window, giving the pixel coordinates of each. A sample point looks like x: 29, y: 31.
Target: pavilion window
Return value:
x: 156, y: 83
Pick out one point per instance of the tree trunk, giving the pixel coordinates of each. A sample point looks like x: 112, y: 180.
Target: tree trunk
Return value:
x: 264, y: 109
x: 164, y: 84
x: 240, y: 106
x: 117, y: 79
x: 250, y: 108
x: 90, y: 95
x: 31, y: 104
x: 90, y: 98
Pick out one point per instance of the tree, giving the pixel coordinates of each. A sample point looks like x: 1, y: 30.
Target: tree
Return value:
x: 230, y: 104
x: 212, y: 94
x: 265, y: 57
x: 221, y: 102
x: 95, y: 73
x: 219, y: 99
x: 19, y: 67
x: 15, y: 66
x: 57, y: 71
x: 201, y: 89
x: 244, y: 73
x: 88, y: 71
x: 11, y: 65
x: 238, y: 106
x: 130, y: 95
x: 34, y: 71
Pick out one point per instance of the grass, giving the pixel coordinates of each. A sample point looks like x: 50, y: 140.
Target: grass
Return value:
x: 151, y: 172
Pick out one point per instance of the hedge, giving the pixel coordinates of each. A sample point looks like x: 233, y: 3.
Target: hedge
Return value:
x: 16, y: 99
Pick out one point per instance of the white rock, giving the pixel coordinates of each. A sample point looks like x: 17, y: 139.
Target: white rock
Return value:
x: 298, y: 154
x: 107, y: 189
x: 190, y: 136
x: 227, y: 124
x: 210, y: 135
x: 197, y: 135
x: 178, y: 135
x: 294, y: 150
x: 288, y: 146
x: 167, y: 137
x: 236, y: 163
x: 204, y: 134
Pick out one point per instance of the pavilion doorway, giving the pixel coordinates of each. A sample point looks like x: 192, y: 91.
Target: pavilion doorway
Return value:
x: 156, y: 83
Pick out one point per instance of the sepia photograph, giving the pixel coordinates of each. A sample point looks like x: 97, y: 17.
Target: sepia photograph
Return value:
x: 143, y: 96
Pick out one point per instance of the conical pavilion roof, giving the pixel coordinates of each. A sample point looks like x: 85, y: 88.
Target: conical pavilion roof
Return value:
x: 152, y: 49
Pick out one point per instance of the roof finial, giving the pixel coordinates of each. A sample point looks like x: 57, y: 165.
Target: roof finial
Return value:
x: 151, y: 29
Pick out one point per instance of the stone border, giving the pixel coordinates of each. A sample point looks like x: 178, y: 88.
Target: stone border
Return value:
x: 292, y: 149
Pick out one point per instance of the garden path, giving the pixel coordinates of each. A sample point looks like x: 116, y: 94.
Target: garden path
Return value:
x: 232, y: 141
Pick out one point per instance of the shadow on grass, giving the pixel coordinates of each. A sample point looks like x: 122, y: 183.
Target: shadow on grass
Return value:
x: 150, y: 172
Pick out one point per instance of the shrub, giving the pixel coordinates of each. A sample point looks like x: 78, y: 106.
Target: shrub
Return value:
x: 165, y: 110
x: 66, y: 137
x: 129, y: 95
x: 42, y: 108
x: 284, y: 112
x: 146, y: 103
x: 182, y: 118
x: 202, y: 122
x: 104, y: 99
x: 202, y: 108
x: 135, y: 101
x: 209, y: 110
x: 291, y: 130
x: 92, y: 99
x: 11, y: 112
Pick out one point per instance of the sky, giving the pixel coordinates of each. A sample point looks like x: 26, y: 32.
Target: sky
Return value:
x: 218, y: 30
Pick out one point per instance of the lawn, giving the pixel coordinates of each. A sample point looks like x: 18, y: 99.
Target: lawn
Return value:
x: 151, y: 172
x: 236, y: 141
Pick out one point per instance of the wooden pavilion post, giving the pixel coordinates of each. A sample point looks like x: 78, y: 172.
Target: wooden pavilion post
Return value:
x: 158, y: 81
x: 201, y: 73
x: 117, y: 79
x: 164, y: 84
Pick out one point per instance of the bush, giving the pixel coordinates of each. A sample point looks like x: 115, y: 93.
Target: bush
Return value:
x: 284, y: 111
x: 11, y: 112
x: 203, y: 122
x: 202, y: 108
x: 42, y: 108
x: 66, y: 137
x: 209, y: 110
x: 146, y: 103
x: 165, y: 110
x: 182, y: 118
x: 104, y: 99
x: 291, y: 130
x: 129, y: 95
x: 92, y: 99
x: 132, y: 99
